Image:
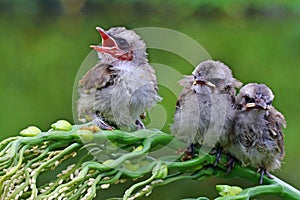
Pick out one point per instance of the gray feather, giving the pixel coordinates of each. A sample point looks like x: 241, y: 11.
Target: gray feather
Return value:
x: 257, y: 139
x: 204, y: 115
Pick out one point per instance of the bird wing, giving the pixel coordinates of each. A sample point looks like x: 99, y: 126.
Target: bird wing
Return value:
x: 100, y: 76
x: 186, y: 82
x: 152, y: 74
x: 276, y: 124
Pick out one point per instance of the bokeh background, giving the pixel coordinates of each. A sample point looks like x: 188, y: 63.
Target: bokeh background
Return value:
x: 43, y: 43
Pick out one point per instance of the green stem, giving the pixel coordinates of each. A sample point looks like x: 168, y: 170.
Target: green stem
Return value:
x: 47, y: 164
x: 62, y: 144
x: 12, y: 170
x: 274, y: 186
x: 22, y: 186
x: 7, y: 141
x: 92, y: 189
x: 135, y: 186
x: 203, y: 173
x: 112, y: 180
x: 116, y: 163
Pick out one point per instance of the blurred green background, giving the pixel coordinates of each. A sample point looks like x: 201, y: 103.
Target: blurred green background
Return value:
x: 43, y: 44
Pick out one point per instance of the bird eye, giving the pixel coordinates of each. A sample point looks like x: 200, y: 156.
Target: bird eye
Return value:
x: 227, y: 87
x: 248, y: 99
x: 197, y: 73
x: 122, y: 43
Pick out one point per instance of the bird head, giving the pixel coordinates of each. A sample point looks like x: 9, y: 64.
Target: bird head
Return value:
x: 120, y: 44
x: 214, y: 75
x: 255, y: 96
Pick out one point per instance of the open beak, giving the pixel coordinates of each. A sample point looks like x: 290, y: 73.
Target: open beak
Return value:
x: 201, y: 81
x: 108, y: 43
x: 260, y: 104
x: 110, y: 46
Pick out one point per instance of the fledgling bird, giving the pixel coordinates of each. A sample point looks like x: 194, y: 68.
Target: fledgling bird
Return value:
x: 257, y: 139
x: 122, y: 86
x: 204, y: 109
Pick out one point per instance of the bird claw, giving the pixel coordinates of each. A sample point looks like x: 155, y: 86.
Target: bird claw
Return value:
x: 187, y: 156
x: 140, y: 124
x: 218, y: 153
x: 269, y: 175
x: 189, y: 153
x: 262, y: 172
x: 103, y: 125
x: 143, y: 115
x: 93, y: 128
x: 230, y: 163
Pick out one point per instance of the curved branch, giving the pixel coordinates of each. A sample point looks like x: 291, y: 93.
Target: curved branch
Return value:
x: 111, y: 157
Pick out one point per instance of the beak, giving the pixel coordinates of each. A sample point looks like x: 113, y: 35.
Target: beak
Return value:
x: 250, y: 105
x: 210, y: 84
x: 110, y: 46
x: 107, y: 41
x: 201, y: 81
x: 260, y: 104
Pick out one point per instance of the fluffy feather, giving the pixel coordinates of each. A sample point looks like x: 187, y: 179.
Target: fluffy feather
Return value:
x: 119, y: 90
x: 257, y: 139
x: 204, y: 114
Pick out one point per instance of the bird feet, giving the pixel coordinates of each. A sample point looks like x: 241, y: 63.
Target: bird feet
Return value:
x: 189, y: 153
x: 103, y: 125
x: 140, y: 124
x: 93, y: 128
x: 262, y: 172
x: 230, y: 163
x: 218, y: 151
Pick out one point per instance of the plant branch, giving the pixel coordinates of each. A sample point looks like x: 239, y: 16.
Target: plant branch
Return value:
x: 111, y: 157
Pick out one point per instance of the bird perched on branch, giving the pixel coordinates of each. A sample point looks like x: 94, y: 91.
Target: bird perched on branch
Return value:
x: 204, y: 109
x: 122, y: 86
x: 257, y: 139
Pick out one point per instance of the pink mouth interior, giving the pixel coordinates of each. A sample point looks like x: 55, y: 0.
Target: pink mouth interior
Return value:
x: 110, y: 46
x: 108, y: 42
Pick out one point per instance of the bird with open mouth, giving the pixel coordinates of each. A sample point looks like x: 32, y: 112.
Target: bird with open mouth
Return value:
x: 122, y: 85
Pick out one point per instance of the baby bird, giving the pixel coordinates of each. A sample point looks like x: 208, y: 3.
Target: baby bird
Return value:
x: 122, y: 86
x: 257, y: 138
x: 204, y: 109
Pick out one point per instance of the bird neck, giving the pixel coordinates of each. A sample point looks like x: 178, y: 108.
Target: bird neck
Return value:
x: 256, y: 113
x: 140, y: 57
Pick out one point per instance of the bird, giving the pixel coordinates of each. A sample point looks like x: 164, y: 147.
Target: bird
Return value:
x: 257, y: 137
x: 205, y: 107
x: 122, y: 85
